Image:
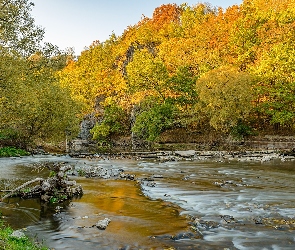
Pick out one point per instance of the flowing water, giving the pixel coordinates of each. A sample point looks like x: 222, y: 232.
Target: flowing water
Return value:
x: 185, y: 205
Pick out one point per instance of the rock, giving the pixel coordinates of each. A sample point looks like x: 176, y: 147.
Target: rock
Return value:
x: 77, y: 190
x: 18, y: 234
x: 45, y: 197
x: 202, y: 224
x: 102, y: 224
x: 45, y: 186
x: 258, y: 221
x: 158, y: 176
x: 71, y: 183
x: 182, y: 236
x: 86, y: 125
x: 186, y: 154
x: 228, y: 218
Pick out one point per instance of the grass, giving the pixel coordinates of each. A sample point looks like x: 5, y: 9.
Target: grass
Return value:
x: 8, y: 242
x: 12, y: 151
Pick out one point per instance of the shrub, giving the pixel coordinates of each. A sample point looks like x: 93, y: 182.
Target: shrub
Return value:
x: 12, y: 151
x: 151, y: 122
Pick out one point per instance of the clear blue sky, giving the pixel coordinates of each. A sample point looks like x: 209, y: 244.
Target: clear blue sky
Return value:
x: 77, y: 23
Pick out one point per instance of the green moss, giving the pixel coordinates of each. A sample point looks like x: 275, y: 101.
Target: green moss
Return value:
x: 12, y: 243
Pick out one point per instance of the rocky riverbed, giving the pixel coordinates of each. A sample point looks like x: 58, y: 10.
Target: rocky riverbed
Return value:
x: 180, y: 200
x: 193, y: 155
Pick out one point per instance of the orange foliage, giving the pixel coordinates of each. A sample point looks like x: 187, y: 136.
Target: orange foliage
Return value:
x: 165, y: 14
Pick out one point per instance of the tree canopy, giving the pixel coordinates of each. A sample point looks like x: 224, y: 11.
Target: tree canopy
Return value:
x: 217, y: 68
x: 33, y: 105
x: 194, y: 67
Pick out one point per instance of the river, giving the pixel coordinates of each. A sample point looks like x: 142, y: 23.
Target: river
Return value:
x: 173, y: 204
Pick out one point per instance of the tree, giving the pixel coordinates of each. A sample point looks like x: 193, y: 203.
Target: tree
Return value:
x: 154, y: 118
x: 276, y: 88
x: 114, y: 121
x: 95, y: 73
x: 147, y: 75
x: 225, y: 95
x: 18, y: 31
x: 33, y: 106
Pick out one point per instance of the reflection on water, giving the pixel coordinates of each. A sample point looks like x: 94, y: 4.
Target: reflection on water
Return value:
x: 233, y: 205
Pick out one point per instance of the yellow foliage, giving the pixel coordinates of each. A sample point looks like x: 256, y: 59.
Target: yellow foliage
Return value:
x: 226, y: 95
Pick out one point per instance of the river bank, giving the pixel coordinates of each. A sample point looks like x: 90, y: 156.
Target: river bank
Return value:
x: 13, y: 240
x: 193, y: 155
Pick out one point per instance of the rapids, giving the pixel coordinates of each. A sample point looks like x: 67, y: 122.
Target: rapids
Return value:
x: 176, y: 204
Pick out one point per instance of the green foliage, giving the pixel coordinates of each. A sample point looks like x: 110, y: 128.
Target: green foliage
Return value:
x: 53, y: 200
x: 241, y: 130
x: 57, y: 197
x: 81, y: 172
x: 12, y: 151
x: 146, y: 72
x: 183, y: 83
x: 34, y: 107
x: 115, y: 117
x: 276, y: 89
x: 114, y: 122
x: 203, y: 67
x: 18, y: 31
x: 100, y: 132
x: 12, y: 243
x: 280, y: 104
x: 26, y: 190
x: 153, y: 119
x: 8, y: 135
x: 52, y: 174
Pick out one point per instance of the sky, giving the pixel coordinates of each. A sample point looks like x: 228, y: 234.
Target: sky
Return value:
x: 77, y: 23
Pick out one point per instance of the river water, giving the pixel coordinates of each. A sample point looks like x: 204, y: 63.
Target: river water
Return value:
x: 176, y: 205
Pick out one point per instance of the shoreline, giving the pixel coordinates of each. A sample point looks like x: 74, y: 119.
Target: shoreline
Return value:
x: 195, y: 155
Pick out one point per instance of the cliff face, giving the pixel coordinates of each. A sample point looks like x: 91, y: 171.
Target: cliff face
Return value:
x: 84, y: 143
x: 86, y: 125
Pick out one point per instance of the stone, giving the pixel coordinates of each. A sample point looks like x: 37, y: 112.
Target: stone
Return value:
x: 187, y: 153
x: 18, y: 234
x: 102, y: 224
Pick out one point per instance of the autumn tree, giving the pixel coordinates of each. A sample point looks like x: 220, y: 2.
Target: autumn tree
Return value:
x: 264, y: 39
x: 198, y: 66
x: 33, y: 106
x: 225, y: 94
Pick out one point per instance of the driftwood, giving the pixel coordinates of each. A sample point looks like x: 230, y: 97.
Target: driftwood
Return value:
x: 56, y: 188
x: 21, y: 187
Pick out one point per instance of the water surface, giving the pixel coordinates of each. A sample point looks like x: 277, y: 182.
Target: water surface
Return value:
x: 213, y: 205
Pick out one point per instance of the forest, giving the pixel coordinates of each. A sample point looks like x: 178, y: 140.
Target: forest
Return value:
x: 199, y: 70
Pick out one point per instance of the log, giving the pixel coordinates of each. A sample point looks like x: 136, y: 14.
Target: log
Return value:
x: 20, y: 187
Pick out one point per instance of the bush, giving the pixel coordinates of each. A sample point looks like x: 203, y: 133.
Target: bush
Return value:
x: 152, y: 121
x: 241, y: 131
x: 100, y: 131
x: 12, y: 151
x: 114, y: 122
